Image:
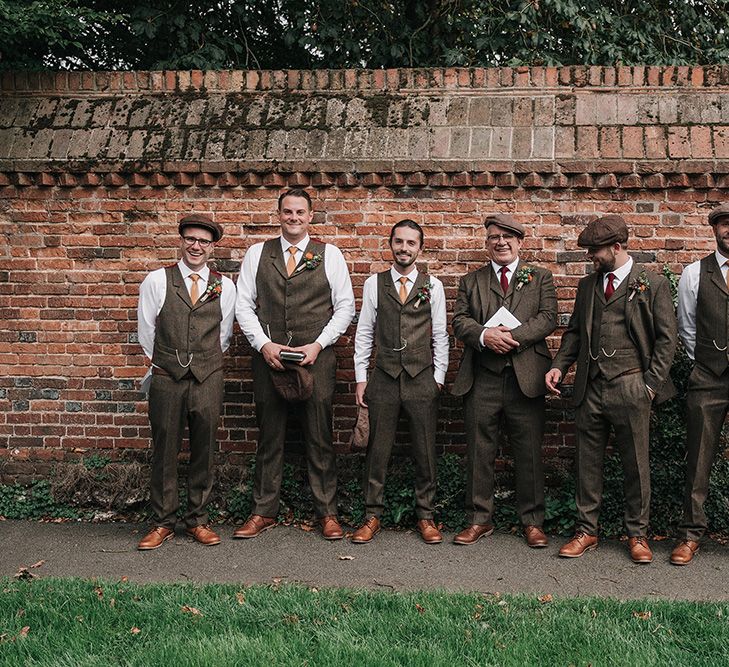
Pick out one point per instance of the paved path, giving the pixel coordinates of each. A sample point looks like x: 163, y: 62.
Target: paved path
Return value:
x: 393, y: 561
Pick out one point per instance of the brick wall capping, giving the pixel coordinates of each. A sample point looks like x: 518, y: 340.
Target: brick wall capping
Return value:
x: 392, y: 80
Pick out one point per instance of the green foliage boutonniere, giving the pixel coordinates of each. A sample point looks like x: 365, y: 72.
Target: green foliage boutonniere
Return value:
x: 639, y: 284
x: 311, y: 261
x: 213, y: 291
x: 524, y: 276
x: 423, y: 295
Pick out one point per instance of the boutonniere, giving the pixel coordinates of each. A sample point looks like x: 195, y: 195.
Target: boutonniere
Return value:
x: 524, y: 276
x: 639, y: 284
x: 213, y: 291
x: 311, y: 261
x: 423, y: 295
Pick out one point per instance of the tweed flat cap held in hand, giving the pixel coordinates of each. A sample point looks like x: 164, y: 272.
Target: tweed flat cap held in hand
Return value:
x: 718, y: 213
x: 295, y: 384
x: 604, y: 231
x: 198, y: 220
x: 505, y: 221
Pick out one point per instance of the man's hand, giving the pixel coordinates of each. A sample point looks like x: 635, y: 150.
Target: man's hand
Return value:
x: 552, y: 379
x: 499, y: 340
x: 270, y: 352
x: 359, y: 391
x: 311, y: 352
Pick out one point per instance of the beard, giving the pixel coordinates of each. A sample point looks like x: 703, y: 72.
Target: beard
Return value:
x: 404, y: 260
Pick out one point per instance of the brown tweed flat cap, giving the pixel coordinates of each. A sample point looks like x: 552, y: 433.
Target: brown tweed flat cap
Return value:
x: 199, y: 220
x: 603, y: 231
x: 505, y: 221
x: 295, y: 384
x: 718, y: 213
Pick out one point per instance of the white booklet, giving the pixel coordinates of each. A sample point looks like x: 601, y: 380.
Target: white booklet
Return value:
x: 502, y: 318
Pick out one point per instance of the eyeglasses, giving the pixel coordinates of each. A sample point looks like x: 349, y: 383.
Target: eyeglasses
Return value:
x: 495, y: 238
x: 192, y: 240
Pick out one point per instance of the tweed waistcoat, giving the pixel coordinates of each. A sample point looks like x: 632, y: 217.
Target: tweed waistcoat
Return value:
x: 712, y: 317
x: 612, y: 351
x: 293, y: 310
x: 487, y: 358
x: 403, y: 330
x: 187, y: 337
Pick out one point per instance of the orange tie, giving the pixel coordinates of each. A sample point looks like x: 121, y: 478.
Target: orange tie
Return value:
x: 291, y: 263
x: 194, y: 290
x: 403, y: 289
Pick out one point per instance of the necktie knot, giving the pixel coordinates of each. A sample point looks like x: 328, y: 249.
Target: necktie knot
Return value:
x: 504, y: 270
x: 403, y: 289
x: 194, y: 289
x: 291, y: 263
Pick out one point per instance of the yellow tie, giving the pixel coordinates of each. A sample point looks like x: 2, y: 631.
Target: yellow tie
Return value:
x: 403, y: 289
x: 291, y: 263
x: 194, y: 290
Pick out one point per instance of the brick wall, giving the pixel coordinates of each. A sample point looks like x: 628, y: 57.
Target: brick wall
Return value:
x: 96, y: 169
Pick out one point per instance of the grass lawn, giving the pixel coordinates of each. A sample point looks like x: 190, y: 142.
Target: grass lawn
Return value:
x: 76, y: 623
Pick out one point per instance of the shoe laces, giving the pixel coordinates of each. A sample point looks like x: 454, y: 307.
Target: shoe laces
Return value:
x: 642, y: 541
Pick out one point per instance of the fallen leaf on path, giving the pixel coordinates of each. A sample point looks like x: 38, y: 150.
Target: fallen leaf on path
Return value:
x: 124, y: 579
x: 545, y: 599
x: 135, y: 630
x: 346, y: 557
x: 38, y: 564
x: 191, y: 610
x: 642, y: 615
x: 307, y: 528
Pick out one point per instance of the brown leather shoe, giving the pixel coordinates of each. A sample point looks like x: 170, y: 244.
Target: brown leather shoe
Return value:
x: 203, y: 534
x: 578, y: 545
x: 255, y: 524
x: 640, y: 552
x: 535, y: 537
x: 155, y: 538
x: 473, y: 533
x: 330, y: 528
x: 429, y: 531
x: 366, y: 531
x: 683, y: 552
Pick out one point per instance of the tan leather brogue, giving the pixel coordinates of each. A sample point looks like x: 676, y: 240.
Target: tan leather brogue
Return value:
x: 255, y: 524
x: 203, y: 534
x: 429, y: 531
x: 366, y: 531
x: 473, y: 533
x: 330, y: 528
x: 640, y: 552
x: 535, y: 537
x: 578, y: 545
x: 683, y: 553
x: 155, y: 538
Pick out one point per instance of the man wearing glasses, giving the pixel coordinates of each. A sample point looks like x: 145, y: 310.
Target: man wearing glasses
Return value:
x: 503, y: 313
x: 185, y: 320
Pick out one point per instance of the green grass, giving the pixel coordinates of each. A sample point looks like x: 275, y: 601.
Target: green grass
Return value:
x: 78, y: 623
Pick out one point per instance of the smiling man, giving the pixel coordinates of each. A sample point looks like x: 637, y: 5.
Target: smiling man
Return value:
x: 703, y: 303
x: 622, y: 334
x: 294, y: 297
x: 404, y: 316
x: 185, y: 320
x: 501, y: 376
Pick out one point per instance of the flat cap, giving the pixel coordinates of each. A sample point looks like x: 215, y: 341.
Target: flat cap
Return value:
x: 718, y: 213
x: 603, y: 231
x: 294, y: 384
x: 199, y: 220
x: 505, y: 221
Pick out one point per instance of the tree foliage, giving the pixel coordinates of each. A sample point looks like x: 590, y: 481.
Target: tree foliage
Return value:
x: 272, y: 34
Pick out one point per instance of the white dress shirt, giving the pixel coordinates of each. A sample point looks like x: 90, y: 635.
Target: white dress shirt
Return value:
x: 620, y: 274
x: 152, y: 294
x: 365, y: 337
x: 688, y: 294
x: 337, y: 275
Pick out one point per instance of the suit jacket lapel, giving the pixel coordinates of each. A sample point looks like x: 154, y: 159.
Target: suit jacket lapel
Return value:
x: 483, y: 282
x: 629, y: 303
x: 715, y: 270
x: 590, y: 308
x: 495, y: 282
x: 513, y: 292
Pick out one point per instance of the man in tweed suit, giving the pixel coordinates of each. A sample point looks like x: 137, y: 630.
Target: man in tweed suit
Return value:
x: 703, y: 303
x: 622, y: 334
x: 294, y: 295
x: 501, y: 376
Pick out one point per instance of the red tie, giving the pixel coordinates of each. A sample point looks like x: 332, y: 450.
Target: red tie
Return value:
x: 609, y: 288
x: 504, y: 282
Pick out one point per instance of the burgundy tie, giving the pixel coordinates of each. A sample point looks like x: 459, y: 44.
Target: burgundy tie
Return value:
x: 504, y: 282
x: 609, y: 288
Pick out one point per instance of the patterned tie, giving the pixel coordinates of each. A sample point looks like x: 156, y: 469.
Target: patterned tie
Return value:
x: 403, y: 289
x: 291, y: 263
x: 194, y: 290
x: 609, y: 288
x: 504, y: 281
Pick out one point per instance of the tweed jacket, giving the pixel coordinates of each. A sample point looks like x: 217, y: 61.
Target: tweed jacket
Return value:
x: 533, y: 303
x: 651, y: 321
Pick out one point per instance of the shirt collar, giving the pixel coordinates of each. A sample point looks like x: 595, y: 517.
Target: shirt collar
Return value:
x: 720, y: 259
x: 186, y: 271
x: 301, y: 245
x: 622, y: 273
x: 412, y: 276
x: 511, y: 267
